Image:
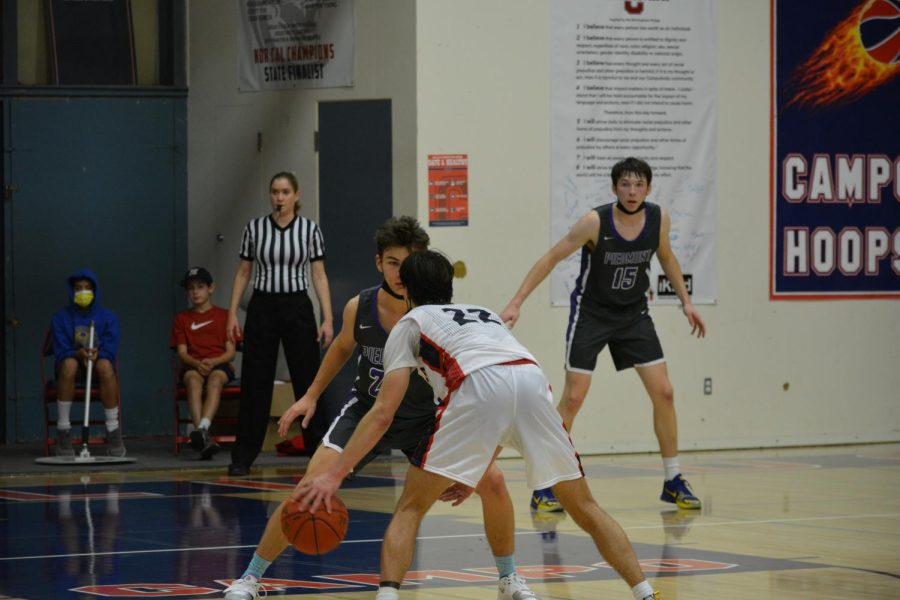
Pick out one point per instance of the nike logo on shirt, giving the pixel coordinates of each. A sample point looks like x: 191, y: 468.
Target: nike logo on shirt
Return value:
x: 366, y: 326
x: 196, y: 326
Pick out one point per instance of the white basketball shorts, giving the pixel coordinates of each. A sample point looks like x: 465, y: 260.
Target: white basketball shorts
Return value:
x: 501, y: 405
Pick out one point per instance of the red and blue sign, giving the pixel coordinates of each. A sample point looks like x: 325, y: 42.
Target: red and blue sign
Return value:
x: 835, y: 218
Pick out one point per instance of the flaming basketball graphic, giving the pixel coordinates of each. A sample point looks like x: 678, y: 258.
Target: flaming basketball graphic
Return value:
x: 859, y: 55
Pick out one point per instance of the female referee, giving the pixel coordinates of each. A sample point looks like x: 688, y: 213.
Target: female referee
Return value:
x: 289, y: 253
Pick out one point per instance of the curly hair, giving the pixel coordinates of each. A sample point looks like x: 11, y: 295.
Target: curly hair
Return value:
x: 401, y: 231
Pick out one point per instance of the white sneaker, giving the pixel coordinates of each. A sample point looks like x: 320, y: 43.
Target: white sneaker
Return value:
x: 243, y: 589
x: 513, y: 587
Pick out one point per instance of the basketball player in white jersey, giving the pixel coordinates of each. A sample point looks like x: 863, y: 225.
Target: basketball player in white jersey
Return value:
x: 367, y: 320
x: 492, y: 393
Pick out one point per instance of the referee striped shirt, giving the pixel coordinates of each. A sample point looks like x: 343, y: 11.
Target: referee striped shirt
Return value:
x: 282, y: 255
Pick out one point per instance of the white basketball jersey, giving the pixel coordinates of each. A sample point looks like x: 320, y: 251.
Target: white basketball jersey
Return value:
x: 449, y: 341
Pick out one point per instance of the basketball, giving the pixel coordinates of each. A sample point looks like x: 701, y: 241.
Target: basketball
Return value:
x: 879, y: 31
x: 317, y: 533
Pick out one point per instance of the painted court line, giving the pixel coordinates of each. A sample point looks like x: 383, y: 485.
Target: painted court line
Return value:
x: 36, y: 497
x: 447, y: 537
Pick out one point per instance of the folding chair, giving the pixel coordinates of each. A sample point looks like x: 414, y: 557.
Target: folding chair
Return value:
x: 222, y: 430
x: 48, y: 387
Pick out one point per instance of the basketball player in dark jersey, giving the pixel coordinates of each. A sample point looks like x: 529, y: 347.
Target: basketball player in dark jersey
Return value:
x: 609, y: 307
x: 367, y: 319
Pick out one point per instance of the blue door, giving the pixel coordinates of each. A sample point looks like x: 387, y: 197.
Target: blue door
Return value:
x: 355, y: 197
x: 100, y: 183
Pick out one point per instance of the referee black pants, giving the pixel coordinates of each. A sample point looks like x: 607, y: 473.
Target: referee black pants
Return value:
x: 272, y: 319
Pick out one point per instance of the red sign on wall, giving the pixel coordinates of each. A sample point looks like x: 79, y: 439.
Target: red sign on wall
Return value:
x: 448, y: 190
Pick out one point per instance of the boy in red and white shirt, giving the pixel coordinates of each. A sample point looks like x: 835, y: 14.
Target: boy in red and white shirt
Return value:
x: 492, y: 394
x: 199, y: 336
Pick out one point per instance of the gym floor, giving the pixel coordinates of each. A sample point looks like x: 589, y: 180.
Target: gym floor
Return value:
x: 819, y: 522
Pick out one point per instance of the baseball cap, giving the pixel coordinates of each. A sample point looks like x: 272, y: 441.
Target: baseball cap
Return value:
x: 197, y: 273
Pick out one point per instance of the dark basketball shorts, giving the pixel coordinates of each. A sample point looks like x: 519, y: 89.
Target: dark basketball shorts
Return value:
x: 225, y: 368
x: 404, y: 434
x: 632, y: 344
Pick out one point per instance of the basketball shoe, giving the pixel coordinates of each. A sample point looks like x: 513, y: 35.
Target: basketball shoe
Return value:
x: 196, y: 442
x: 677, y: 523
x: 64, y: 443
x: 513, y: 587
x: 207, y: 447
x: 545, y: 501
x: 678, y: 491
x: 546, y: 523
x: 114, y: 444
x: 246, y: 588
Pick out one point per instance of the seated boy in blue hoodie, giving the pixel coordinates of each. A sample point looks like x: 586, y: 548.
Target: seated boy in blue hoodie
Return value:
x: 70, y: 330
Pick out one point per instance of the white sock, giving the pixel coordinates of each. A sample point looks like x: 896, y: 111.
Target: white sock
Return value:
x: 65, y: 502
x: 642, y: 590
x: 387, y: 593
x: 63, y: 410
x: 204, y: 423
x: 112, y: 418
x: 112, y: 500
x: 671, y: 466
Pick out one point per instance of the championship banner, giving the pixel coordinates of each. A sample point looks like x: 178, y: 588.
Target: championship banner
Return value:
x: 288, y: 44
x: 636, y: 78
x: 835, y: 208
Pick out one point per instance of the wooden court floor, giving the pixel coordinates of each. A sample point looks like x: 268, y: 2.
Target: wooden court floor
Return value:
x: 818, y: 522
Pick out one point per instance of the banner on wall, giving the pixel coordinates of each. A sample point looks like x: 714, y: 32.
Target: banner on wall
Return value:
x: 448, y: 190
x: 636, y: 78
x: 287, y: 44
x: 835, y: 208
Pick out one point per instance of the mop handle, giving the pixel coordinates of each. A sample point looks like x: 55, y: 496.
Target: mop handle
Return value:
x: 87, y: 386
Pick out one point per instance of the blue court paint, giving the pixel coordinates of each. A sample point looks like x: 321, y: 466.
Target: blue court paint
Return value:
x: 187, y: 538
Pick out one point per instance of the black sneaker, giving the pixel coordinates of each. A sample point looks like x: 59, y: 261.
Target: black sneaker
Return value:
x: 209, y: 446
x: 196, y: 442
x: 238, y: 470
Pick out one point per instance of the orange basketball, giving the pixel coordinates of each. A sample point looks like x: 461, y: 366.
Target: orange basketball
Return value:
x: 317, y: 533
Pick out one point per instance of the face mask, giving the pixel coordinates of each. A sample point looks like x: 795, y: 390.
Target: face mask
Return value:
x: 83, y: 298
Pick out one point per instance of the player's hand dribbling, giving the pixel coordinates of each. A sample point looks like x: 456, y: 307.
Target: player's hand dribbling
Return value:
x: 312, y: 494
x: 305, y: 406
